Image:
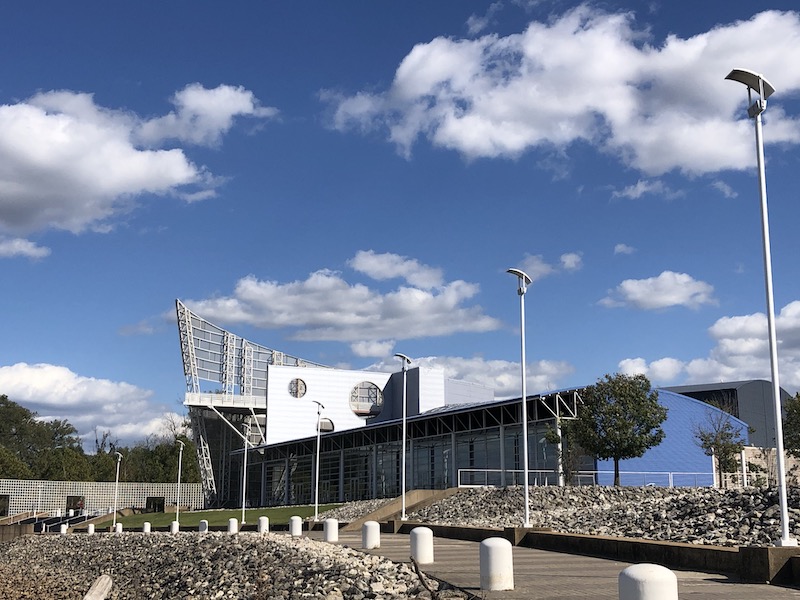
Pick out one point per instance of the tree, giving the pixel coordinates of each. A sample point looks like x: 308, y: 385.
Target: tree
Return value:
x: 620, y: 418
x: 791, y: 425
x: 719, y: 438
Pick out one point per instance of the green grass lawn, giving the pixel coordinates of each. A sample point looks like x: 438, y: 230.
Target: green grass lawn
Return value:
x: 191, y: 519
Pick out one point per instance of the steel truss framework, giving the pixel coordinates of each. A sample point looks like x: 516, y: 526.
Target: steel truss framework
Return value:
x: 231, y: 412
x: 364, y: 463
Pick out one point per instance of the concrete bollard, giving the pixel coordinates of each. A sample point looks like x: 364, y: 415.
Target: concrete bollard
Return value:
x: 233, y: 526
x: 648, y: 582
x: 63, y: 529
x: 371, y: 535
x: 146, y: 527
x: 90, y: 529
x: 422, y: 545
x: 203, y: 527
x: 118, y: 528
x: 263, y: 524
x: 295, y: 526
x: 497, y: 564
x: 330, y: 528
x: 174, y: 527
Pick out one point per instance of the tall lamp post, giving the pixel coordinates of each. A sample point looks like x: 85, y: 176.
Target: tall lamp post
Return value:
x: 523, y: 281
x: 320, y: 408
x: 755, y: 82
x: 116, y: 490
x: 405, y: 361
x: 178, y: 502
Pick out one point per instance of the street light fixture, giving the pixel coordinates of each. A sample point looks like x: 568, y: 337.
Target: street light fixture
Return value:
x: 755, y: 82
x: 116, y: 490
x: 523, y: 281
x: 178, y: 502
x: 320, y: 408
x: 405, y: 361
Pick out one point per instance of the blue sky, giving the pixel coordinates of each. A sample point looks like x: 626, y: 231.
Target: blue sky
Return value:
x: 343, y: 181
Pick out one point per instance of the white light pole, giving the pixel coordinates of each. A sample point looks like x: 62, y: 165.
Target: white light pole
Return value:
x: 320, y: 407
x: 178, y: 502
x: 523, y: 281
x: 405, y: 361
x: 755, y: 82
x: 116, y: 490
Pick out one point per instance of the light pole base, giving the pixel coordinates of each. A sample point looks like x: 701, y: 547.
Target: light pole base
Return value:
x: 786, y: 542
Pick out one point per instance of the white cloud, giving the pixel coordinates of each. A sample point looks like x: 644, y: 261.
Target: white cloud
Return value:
x: 477, y: 23
x: 646, y: 186
x: 202, y: 115
x: 538, y: 268
x: 326, y: 307
x: 376, y: 348
x: 624, y: 249
x: 67, y: 163
x: 501, y: 375
x: 571, y: 261
x: 663, y: 106
x: 11, y: 247
x: 389, y: 266
x: 55, y: 392
x: 724, y: 189
x: 741, y: 352
x: 668, y: 289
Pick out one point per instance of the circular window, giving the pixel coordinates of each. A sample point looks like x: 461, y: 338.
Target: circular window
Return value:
x: 366, y: 400
x: 297, y: 388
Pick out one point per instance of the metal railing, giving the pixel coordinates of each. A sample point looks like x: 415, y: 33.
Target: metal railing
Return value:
x: 540, y: 477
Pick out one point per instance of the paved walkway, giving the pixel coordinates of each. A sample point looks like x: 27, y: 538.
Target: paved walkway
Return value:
x: 543, y: 575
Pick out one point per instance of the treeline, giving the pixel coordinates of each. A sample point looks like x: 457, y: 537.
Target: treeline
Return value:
x: 51, y: 450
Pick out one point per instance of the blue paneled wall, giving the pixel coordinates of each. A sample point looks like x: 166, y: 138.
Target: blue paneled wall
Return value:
x: 678, y: 455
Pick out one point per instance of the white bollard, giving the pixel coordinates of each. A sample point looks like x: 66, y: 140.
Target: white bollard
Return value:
x: 422, y: 545
x: 648, y: 582
x: 71, y: 513
x: 263, y: 524
x: 146, y: 527
x: 371, y: 535
x: 118, y: 528
x: 330, y: 528
x: 497, y: 564
x: 90, y: 529
x: 63, y: 529
x: 295, y: 526
x: 174, y: 527
x: 203, y: 527
x: 233, y: 526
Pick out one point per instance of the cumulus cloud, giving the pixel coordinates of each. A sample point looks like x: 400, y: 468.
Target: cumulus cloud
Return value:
x: 571, y: 261
x: 382, y: 266
x: 67, y: 163
x: 372, y: 348
x: 724, y: 189
x: 664, y: 106
x: 55, y: 392
x: 13, y: 247
x: 501, y: 375
x: 624, y: 249
x: 741, y: 352
x: 668, y: 289
x: 478, y: 23
x: 325, y: 306
x: 202, y: 116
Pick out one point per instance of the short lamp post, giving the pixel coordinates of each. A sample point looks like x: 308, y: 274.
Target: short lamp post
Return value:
x: 755, y: 82
x: 244, y: 468
x: 116, y: 490
x: 178, y: 494
x: 523, y: 281
x: 320, y: 408
x: 405, y: 362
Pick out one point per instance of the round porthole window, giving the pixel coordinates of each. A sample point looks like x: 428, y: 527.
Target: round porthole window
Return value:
x: 366, y: 400
x: 297, y: 388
